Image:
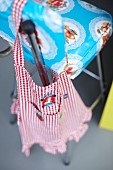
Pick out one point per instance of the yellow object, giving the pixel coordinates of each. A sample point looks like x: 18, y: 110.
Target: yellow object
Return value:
x: 106, y: 121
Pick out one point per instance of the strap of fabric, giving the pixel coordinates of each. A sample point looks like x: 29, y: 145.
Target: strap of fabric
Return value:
x: 16, y: 15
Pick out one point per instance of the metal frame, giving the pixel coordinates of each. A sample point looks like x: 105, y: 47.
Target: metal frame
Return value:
x: 100, y: 78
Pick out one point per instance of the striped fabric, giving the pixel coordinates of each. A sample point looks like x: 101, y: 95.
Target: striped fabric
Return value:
x: 50, y: 115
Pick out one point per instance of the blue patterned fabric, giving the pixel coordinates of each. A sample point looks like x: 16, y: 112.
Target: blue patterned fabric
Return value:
x: 70, y: 33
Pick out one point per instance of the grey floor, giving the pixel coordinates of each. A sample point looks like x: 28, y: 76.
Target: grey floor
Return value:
x: 95, y: 149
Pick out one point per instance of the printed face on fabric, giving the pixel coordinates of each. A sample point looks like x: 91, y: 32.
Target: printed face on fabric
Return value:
x: 100, y: 28
x: 62, y: 6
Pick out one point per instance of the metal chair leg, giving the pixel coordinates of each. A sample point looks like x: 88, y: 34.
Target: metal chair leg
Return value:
x: 100, y: 78
x: 13, y: 117
x: 101, y: 75
x: 101, y: 81
x: 66, y: 158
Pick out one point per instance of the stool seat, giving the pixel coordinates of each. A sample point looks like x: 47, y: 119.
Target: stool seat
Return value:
x: 72, y: 28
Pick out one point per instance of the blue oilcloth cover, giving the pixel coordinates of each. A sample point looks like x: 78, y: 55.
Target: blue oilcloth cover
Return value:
x: 71, y: 32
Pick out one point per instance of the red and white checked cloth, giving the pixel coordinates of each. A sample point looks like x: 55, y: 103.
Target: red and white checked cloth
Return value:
x: 50, y: 115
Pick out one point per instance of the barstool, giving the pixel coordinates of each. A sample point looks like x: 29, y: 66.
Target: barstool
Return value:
x: 69, y: 42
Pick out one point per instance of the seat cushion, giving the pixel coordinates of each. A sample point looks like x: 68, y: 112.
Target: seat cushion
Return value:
x: 70, y: 35
x: 87, y: 29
